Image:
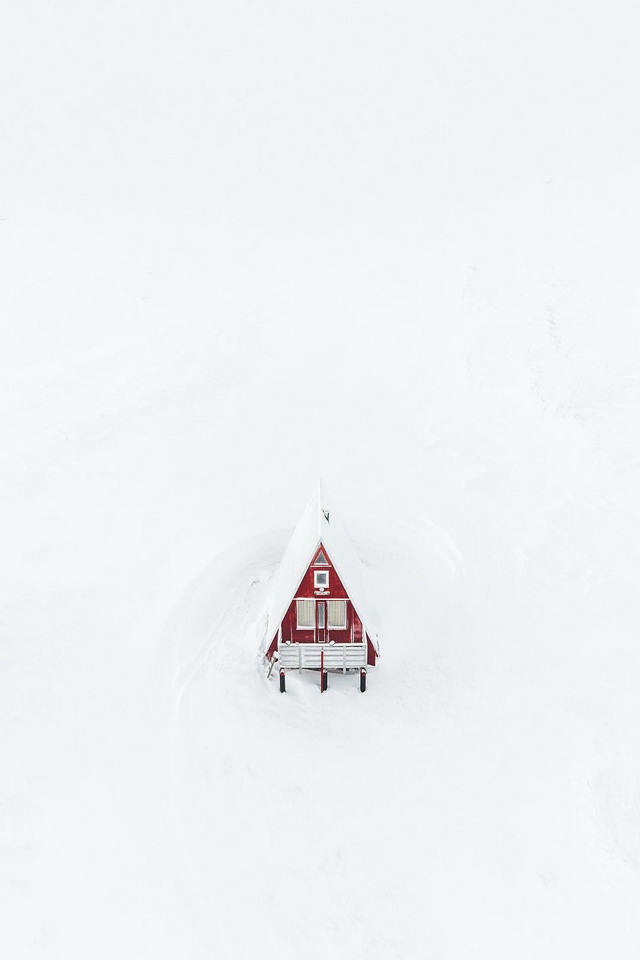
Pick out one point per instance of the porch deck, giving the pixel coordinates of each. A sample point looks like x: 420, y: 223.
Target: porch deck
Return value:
x: 337, y: 656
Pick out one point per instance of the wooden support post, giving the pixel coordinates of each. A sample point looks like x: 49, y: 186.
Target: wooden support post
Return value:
x: 363, y: 679
x: 323, y: 673
x: 282, y: 684
x: 344, y: 659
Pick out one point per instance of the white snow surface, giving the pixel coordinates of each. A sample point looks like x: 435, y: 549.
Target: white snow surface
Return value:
x: 319, y: 523
x: 243, y: 246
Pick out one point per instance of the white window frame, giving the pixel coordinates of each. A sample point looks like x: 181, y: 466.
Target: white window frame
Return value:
x: 306, y: 626
x: 330, y: 626
x: 317, y: 574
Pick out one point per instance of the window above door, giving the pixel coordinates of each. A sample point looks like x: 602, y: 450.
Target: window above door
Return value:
x: 321, y: 579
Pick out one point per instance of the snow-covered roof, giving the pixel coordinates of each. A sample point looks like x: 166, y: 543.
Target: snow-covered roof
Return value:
x: 319, y: 524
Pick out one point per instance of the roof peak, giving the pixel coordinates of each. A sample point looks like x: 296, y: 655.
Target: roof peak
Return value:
x: 320, y: 504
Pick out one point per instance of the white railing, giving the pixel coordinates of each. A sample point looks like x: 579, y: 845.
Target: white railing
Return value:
x: 337, y: 656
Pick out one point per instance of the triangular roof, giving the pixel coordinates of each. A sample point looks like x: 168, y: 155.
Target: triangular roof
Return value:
x: 319, y: 524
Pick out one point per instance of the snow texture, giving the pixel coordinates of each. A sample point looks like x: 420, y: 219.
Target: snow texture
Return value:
x: 319, y: 523
x: 243, y: 246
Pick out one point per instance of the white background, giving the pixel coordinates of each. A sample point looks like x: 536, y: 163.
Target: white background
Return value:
x: 244, y: 245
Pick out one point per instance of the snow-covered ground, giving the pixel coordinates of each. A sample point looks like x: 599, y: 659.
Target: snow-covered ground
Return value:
x: 243, y: 247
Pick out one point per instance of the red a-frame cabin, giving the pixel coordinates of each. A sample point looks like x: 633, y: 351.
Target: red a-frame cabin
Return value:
x: 319, y: 613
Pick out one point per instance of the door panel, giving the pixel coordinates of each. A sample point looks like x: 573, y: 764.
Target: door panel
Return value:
x: 321, y: 621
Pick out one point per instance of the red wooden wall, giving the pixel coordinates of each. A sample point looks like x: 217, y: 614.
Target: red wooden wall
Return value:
x: 335, y: 591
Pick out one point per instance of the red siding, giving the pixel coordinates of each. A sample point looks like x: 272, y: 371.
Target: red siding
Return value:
x: 273, y: 647
x: 371, y: 653
x: 336, y: 591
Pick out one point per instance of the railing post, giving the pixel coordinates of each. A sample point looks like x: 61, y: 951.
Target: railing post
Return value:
x: 323, y: 673
x: 363, y: 679
x: 282, y: 683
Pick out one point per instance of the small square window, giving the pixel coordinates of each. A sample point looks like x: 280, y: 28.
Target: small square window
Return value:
x: 321, y: 579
